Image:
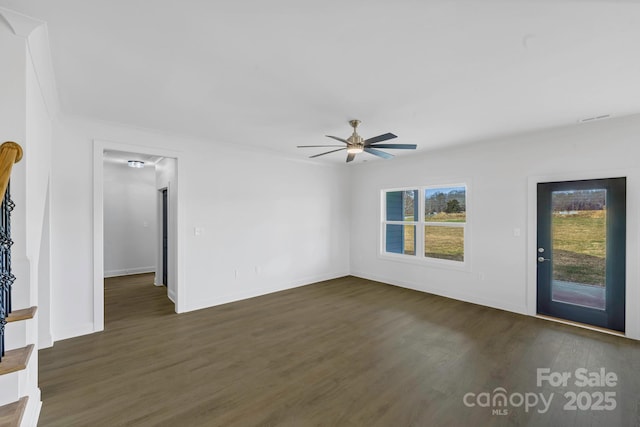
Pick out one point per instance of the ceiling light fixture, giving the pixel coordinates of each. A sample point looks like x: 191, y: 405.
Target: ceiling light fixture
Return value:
x: 135, y: 163
x: 355, y: 149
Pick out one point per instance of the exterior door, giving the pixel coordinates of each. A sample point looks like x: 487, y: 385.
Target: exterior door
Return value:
x: 581, y: 251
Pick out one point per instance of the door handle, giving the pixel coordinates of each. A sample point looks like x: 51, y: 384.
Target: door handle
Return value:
x: 543, y: 259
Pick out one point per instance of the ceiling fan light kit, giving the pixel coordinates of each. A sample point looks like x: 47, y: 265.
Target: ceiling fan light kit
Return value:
x: 356, y: 144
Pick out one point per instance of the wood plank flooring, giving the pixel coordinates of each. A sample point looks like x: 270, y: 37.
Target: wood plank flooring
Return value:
x: 346, y: 352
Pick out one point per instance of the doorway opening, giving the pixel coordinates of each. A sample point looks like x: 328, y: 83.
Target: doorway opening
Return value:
x: 129, y: 213
x: 135, y: 219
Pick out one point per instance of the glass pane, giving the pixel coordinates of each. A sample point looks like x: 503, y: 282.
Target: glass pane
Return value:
x: 401, y: 239
x: 578, y: 227
x: 401, y: 206
x: 444, y: 242
x: 445, y: 204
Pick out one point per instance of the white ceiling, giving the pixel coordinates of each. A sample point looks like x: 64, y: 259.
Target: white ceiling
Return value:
x: 281, y: 73
x: 122, y: 158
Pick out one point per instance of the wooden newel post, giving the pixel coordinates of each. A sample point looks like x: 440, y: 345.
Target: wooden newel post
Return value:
x: 10, y: 153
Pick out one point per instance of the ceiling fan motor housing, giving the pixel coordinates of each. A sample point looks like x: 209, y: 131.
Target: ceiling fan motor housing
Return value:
x: 356, y: 142
x: 356, y: 139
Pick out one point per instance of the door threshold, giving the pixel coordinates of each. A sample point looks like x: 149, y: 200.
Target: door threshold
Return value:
x: 581, y: 325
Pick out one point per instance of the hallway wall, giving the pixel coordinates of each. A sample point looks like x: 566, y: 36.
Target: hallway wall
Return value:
x: 130, y: 231
x: 267, y: 222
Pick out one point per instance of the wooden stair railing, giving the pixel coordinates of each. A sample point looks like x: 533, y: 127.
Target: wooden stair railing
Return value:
x: 10, y: 153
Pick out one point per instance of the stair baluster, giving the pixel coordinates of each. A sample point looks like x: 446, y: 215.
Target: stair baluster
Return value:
x: 6, y: 276
x: 10, y: 153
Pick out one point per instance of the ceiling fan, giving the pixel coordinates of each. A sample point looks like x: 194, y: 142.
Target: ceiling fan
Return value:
x: 356, y: 144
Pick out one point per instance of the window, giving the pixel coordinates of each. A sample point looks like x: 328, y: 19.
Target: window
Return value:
x: 431, y: 218
x: 445, y: 217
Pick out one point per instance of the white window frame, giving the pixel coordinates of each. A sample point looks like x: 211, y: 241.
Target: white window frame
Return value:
x: 419, y: 257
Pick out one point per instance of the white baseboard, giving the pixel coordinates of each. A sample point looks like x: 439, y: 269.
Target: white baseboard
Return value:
x: 85, y: 329
x: 473, y: 299
x: 45, y: 340
x: 129, y: 271
x: 32, y: 412
x: 256, y: 292
x: 156, y: 280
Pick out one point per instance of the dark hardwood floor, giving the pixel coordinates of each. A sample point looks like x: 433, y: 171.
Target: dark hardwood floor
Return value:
x: 346, y: 352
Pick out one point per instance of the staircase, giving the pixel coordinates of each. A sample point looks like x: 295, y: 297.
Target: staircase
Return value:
x: 15, y: 353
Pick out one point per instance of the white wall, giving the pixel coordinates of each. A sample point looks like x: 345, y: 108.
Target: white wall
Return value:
x: 12, y: 83
x: 498, y: 173
x: 13, y: 117
x: 269, y: 223
x: 130, y: 232
x: 45, y: 337
x: 71, y: 231
x: 26, y: 113
x: 12, y: 125
x: 26, y: 119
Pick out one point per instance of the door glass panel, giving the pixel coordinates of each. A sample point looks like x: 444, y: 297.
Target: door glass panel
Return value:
x: 578, y: 227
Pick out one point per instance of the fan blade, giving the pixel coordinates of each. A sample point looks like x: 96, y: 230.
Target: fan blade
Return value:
x: 328, y: 152
x: 378, y: 153
x: 317, y: 146
x: 396, y: 146
x: 379, y: 138
x: 350, y: 157
x: 337, y: 139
